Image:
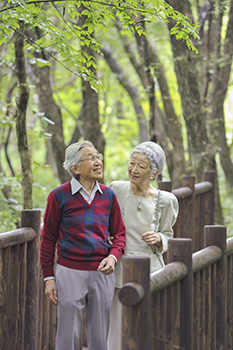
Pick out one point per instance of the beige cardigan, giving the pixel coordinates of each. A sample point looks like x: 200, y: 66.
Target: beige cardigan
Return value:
x: 138, y: 222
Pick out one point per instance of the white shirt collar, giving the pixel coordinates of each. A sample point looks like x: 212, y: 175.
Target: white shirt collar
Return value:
x: 76, y: 186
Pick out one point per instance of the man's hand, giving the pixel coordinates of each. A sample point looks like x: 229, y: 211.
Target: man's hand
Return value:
x: 107, y: 265
x: 51, y: 291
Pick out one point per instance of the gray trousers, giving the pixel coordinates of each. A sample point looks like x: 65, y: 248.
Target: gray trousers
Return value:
x: 115, y: 328
x: 79, y: 290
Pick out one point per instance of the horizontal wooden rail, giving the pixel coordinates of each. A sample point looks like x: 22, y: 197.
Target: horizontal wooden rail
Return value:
x: 168, y: 275
x: 206, y: 257
x: 190, y: 303
x: 19, y: 284
x: 183, y: 192
x: 202, y: 187
x: 229, y: 246
x: 131, y: 294
x: 19, y: 236
x: 36, y: 326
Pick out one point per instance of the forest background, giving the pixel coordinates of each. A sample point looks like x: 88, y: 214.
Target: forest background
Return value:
x: 116, y: 73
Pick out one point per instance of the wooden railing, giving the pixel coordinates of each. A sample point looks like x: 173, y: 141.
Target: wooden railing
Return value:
x: 188, y: 304
x: 19, y: 284
x: 196, y: 207
x: 27, y: 318
x: 28, y: 321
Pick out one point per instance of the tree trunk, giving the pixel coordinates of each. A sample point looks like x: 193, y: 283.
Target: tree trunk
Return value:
x: 223, y: 54
x: 51, y: 111
x: 91, y: 126
x: 162, y: 124
x: 201, y: 151
x: 131, y: 90
x: 90, y: 107
x: 20, y: 116
x: 171, y: 121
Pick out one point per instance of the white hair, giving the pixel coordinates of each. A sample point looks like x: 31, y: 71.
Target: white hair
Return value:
x: 73, y: 154
x: 154, y: 153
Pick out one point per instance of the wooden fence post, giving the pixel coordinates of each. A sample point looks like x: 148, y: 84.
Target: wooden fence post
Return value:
x: 136, y: 300
x: 209, y: 175
x: 185, y: 224
x: 181, y: 249
x: 32, y: 218
x: 189, y: 211
x: 165, y: 185
x: 216, y: 235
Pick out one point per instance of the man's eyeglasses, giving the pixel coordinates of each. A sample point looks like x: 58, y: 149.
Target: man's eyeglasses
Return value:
x: 93, y: 158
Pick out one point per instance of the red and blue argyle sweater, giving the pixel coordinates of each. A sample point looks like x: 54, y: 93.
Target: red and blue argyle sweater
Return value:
x: 80, y: 230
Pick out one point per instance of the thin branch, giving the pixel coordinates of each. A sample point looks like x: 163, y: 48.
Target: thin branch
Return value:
x: 122, y: 7
x: 6, y: 152
x: 33, y: 43
x: 79, y: 126
x: 63, y: 19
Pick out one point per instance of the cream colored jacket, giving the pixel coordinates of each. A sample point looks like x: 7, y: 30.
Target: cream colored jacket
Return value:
x: 139, y: 222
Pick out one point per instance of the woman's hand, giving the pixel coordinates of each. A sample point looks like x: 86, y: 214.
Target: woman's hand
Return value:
x: 152, y: 238
x: 51, y: 291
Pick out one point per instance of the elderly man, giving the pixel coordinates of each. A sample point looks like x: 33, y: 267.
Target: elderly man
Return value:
x: 79, y: 218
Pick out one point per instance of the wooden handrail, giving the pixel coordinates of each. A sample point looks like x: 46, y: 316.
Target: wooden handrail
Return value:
x: 37, y: 322
x: 183, y: 192
x: 206, y: 257
x: 169, y: 274
x: 131, y: 293
x: 19, y: 236
x: 229, y: 246
x: 202, y: 187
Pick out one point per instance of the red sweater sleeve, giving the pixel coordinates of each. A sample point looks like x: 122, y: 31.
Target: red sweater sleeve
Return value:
x: 50, y: 232
x: 117, y: 230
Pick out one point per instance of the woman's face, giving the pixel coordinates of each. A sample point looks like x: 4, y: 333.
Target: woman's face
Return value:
x: 139, y: 169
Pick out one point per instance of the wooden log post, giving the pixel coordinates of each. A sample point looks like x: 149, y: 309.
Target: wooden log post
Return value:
x: 216, y: 235
x: 188, y: 218
x: 165, y: 185
x: 31, y: 218
x: 181, y: 249
x: 12, y: 298
x: 185, y: 224
x: 4, y: 272
x: 209, y: 175
x: 135, y: 296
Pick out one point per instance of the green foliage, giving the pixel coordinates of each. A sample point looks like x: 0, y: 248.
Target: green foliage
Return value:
x: 184, y: 30
x: 121, y: 136
x: 11, y: 208
x: 62, y: 40
x: 58, y: 40
x: 43, y: 183
x: 6, y: 120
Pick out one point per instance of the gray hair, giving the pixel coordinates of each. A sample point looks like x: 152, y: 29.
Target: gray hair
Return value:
x: 73, y: 154
x: 154, y: 153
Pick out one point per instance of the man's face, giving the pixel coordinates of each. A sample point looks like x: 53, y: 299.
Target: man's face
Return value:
x: 91, y: 165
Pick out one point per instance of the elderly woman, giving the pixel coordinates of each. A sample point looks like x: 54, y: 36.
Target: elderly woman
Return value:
x: 148, y: 214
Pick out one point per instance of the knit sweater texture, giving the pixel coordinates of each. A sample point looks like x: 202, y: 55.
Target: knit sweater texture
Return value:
x: 80, y: 230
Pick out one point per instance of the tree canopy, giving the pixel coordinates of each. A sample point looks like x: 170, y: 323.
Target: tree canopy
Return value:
x: 58, y: 22
x: 117, y: 73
